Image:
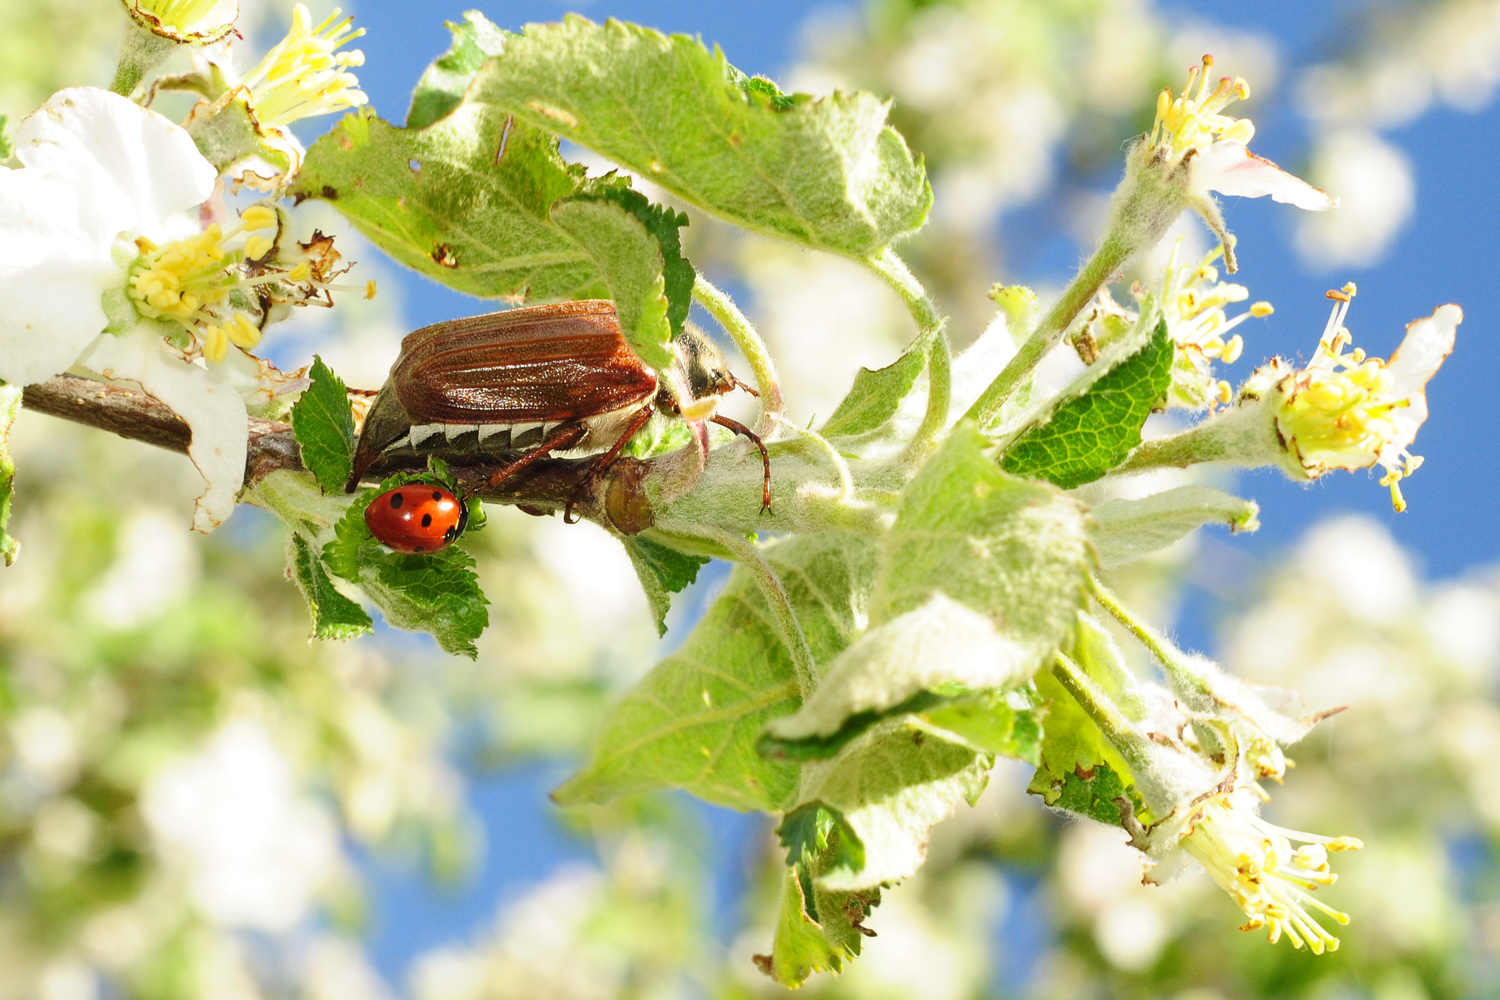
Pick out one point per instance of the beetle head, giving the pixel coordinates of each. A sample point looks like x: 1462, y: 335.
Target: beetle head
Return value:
x: 702, y: 365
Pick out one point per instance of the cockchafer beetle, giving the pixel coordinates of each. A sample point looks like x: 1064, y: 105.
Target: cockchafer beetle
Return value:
x: 520, y: 385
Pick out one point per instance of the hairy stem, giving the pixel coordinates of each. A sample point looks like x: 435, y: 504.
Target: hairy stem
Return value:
x: 846, y: 478
x: 723, y: 309
x: 1122, y: 735
x: 1094, y: 275
x: 141, y: 51
x: 1176, y: 664
x: 1245, y: 435
x: 930, y: 331
x: 747, y: 554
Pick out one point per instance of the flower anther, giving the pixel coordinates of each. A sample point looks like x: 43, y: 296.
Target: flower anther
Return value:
x: 1346, y: 410
x: 1255, y: 863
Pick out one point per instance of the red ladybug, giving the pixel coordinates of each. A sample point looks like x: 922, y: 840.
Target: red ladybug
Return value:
x: 417, y: 518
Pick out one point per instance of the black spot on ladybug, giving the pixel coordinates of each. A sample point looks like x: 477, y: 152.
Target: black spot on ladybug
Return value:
x: 418, y: 549
x: 397, y: 500
x: 426, y: 520
x: 450, y: 534
x: 437, y: 494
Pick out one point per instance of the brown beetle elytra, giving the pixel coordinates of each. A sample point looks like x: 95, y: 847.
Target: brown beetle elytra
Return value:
x: 523, y: 384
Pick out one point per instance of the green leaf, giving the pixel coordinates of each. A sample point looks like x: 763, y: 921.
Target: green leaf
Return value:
x: 901, y: 666
x: 334, y: 615
x: 465, y: 201
x: 6, y: 148
x: 1079, y: 770
x: 693, y: 721
x: 891, y: 786
x: 436, y: 593
x: 875, y: 396
x: 485, y: 204
x: 1011, y: 549
x: 805, y: 833
x: 442, y: 86
x: 324, y: 426
x: 663, y: 571
x: 807, y: 943
x: 1093, y: 426
x: 818, y: 929
x: 664, y: 225
x: 815, y: 838
x: 10, y: 408
x: 1007, y: 725
x: 633, y: 265
x: 1128, y: 529
x: 824, y: 172
x: 816, y: 746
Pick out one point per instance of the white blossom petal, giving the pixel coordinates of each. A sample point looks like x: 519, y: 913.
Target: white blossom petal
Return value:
x: 1427, y: 344
x: 51, y: 278
x: 133, y: 169
x: 1228, y: 167
x: 209, y: 404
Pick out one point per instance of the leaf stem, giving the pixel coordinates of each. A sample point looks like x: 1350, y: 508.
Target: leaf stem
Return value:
x: 1094, y: 275
x: 1118, y: 729
x: 893, y: 270
x: 723, y: 309
x: 747, y: 553
x: 1245, y: 435
x: 1173, y: 660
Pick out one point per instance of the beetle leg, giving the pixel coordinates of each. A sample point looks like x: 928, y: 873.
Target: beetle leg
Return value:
x: 562, y: 439
x: 740, y: 383
x: 765, y: 457
x: 607, y: 459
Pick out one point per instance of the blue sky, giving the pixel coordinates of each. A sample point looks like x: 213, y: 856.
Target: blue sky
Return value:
x: 1447, y: 253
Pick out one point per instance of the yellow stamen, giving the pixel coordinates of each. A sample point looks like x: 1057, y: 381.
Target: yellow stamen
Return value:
x: 215, y: 344
x: 1193, y: 120
x: 257, y: 247
x: 303, y: 75
x: 243, y: 332
x: 258, y: 217
x: 1254, y: 862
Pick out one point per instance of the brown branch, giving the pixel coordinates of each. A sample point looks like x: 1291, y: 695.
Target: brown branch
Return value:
x: 614, y: 499
x: 138, y: 416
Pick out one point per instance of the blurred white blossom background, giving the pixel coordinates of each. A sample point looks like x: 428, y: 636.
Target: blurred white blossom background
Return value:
x: 195, y: 802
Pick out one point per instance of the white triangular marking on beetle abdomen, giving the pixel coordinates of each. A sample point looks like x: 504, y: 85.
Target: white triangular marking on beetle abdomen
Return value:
x: 422, y: 433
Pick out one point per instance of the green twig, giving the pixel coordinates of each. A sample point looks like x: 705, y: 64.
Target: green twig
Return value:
x: 893, y: 270
x: 141, y: 51
x: 723, y: 309
x: 1109, y: 258
x: 747, y: 554
x: 1177, y: 664
x: 1118, y: 729
x: 846, y: 478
